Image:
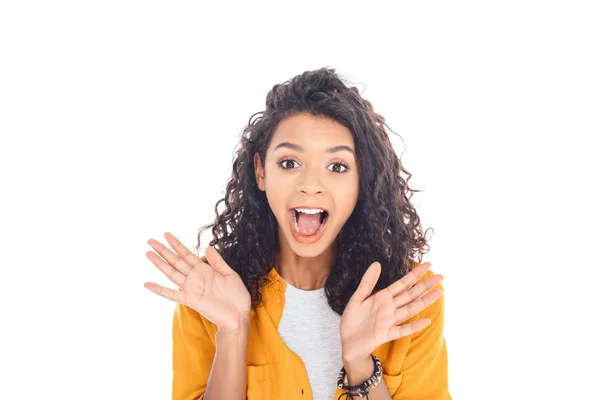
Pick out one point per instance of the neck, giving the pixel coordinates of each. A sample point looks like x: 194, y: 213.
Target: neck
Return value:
x: 305, y: 273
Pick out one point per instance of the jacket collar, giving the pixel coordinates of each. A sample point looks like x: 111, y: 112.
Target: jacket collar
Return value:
x: 274, y: 288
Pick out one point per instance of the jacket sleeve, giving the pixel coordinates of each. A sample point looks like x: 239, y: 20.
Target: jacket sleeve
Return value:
x: 425, y: 367
x: 193, y: 354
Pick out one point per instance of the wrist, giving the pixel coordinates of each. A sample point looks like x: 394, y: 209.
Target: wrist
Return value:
x: 354, y: 355
x: 241, y: 325
x: 358, y: 369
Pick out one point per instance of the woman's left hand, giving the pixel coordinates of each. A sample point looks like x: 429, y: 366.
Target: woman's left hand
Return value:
x: 370, y: 321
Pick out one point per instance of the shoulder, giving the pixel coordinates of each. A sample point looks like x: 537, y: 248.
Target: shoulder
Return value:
x: 435, y: 311
x: 423, y: 361
x: 428, y: 274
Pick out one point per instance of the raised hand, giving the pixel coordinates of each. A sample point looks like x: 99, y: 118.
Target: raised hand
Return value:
x: 213, y: 289
x: 370, y: 321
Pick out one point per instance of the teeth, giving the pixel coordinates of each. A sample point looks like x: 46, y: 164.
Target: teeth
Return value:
x: 308, y: 210
x: 295, y: 221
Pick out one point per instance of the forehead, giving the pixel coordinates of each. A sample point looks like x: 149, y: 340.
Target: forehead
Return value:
x: 312, y: 131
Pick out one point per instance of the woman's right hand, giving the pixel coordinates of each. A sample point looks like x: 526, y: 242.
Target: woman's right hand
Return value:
x: 213, y: 289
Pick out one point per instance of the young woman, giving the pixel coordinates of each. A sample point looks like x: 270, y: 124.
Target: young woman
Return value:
x: 309, y: 288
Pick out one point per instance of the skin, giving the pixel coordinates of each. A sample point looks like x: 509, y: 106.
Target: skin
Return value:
x: 215, y: 290
x: 313, y: 177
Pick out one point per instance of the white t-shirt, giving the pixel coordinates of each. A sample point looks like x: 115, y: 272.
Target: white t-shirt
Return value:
x: 311, y: 329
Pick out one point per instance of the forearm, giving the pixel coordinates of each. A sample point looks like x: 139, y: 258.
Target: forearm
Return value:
x: 359, y: 370
x: 228, y: 377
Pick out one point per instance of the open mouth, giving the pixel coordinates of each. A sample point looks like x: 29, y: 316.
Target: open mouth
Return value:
x: 294, y: 215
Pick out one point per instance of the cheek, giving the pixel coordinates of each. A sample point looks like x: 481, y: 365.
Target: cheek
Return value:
x: 347, y: 193
x: 276, y: 196
x: 345, y: 203
x: 345, y: 209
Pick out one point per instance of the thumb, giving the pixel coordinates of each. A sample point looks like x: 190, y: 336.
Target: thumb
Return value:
x: 216, y: 261
x: 367, y: 283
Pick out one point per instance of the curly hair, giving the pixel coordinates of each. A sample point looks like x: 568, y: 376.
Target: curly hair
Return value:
x: 384, y: 226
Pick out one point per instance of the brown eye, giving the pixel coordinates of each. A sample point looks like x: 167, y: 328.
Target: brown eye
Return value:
x: 343, y: 164
x: 283, y: 162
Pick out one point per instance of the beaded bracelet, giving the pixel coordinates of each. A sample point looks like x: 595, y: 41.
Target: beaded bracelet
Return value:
x: 364, y: 387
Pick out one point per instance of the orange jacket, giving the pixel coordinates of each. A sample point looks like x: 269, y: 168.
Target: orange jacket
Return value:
x: 415, y: 367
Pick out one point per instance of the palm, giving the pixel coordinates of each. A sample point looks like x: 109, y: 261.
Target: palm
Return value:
x: 215, y: 296
x: 369, y: 323
x: 212, y: 288
x: 372, y: 320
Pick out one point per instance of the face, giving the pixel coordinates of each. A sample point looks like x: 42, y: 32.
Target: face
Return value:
x: 312, y: 168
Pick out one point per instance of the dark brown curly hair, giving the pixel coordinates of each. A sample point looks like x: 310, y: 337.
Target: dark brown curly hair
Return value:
x: 384, y: 226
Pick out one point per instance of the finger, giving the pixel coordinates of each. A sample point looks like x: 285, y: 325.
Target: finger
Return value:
x: 409, y: 279
x: 173, y: 295
x: 189, y: 259
x: 173, y: 274
x: 180, y: 255
x: 397, y: 332
x: 367, y: 283
x: 172, y: 258
x: 216, y: 261
x: 412, y: 309
x: 416, y: 291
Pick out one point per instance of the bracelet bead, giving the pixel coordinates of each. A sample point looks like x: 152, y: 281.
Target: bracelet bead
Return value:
x: 364, y: 388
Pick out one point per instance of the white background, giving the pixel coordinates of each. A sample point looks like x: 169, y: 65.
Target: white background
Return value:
x: 118, y: 121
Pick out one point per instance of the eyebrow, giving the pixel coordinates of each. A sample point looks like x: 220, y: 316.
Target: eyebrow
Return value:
x: 299, y: 148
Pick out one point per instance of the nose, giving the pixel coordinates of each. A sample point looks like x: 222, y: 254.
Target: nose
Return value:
x: 311, y: 191
x: 311, y: 187
x: 311, y: 184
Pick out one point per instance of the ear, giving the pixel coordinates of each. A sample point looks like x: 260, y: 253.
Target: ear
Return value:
x: 259, y: 172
